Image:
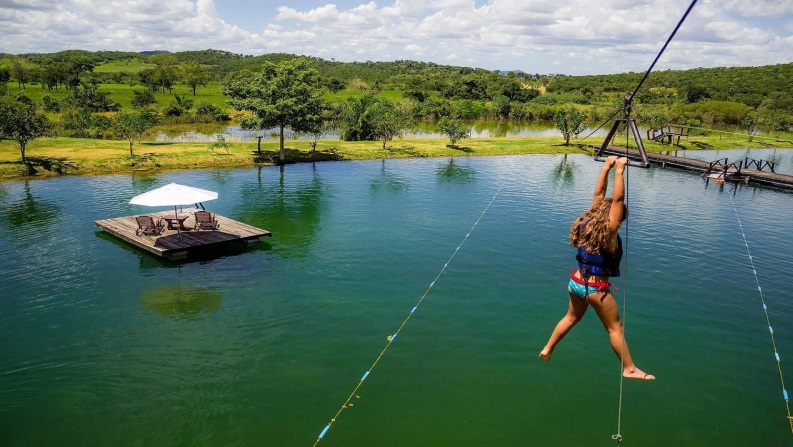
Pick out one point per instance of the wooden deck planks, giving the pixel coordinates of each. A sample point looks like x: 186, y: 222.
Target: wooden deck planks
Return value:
x: 177, y: 245
x: 753, y: 176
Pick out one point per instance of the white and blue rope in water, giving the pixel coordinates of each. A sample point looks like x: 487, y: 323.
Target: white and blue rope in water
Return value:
x: 767, y: 318
x: 393, y: 337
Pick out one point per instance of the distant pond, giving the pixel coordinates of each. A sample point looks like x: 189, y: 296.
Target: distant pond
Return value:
x: 479, y: 129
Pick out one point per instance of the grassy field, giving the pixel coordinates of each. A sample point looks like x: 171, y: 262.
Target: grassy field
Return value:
x: 122, y: 93
x: 70, y: 156
x: 130, y: 66
x: 344, y: 95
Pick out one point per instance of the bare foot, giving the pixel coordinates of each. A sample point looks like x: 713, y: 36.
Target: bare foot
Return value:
x: 545, y: 354
x: 637, y: 373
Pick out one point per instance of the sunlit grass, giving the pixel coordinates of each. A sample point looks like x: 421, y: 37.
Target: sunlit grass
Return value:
x: 56, y: 156
x: 344, y: 95
x: 122, y: 93
x: 129, y: 65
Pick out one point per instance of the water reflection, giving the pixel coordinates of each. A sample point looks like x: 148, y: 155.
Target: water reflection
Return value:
x: 30, y: 211
x: 424, y: 129
x: 454, y: 173
x: 290, y: 211
x: 388, y: 182
x: 183, y: 301
x: 144, y: 181
x: 221, y: 176
x: 564, y: 171
x: 149, y: 261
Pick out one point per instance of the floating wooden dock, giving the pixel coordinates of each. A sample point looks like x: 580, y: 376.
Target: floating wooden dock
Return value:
x: 176, y: 245
x: 747, y: 175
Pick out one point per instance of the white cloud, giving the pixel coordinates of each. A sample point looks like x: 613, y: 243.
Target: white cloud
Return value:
x: 609, y: 36
x: 415, y: 49
x: 327, y: 12
x: 760, y: 8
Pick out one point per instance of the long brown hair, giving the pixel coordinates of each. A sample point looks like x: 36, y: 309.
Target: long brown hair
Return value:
x: 596, y: 234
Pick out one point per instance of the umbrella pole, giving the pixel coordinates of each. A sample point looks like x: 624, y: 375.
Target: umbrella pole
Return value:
x: 178, y: 224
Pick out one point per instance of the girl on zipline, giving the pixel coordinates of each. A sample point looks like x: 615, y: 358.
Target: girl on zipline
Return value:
x: 594, y: 233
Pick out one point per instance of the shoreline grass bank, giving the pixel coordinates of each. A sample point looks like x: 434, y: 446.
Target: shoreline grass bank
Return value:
x: 47, y: 157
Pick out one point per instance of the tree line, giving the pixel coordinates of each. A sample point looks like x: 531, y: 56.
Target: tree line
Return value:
x: 282, y: 91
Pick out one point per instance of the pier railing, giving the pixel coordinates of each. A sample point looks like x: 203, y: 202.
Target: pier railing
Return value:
x: 759, y: 164
x: 724, y: 169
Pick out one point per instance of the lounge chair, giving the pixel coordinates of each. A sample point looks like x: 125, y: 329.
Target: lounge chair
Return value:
x: 204, y: 220
x: 147, y: 225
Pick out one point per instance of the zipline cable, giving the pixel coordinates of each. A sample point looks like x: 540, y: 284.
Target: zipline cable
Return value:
x: 647, y: 73
x: 767, y: 318
x: 393, y: 337
x: 618, y: 436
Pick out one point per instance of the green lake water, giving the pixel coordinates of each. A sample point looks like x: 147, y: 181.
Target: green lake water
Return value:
x: 103, y: 344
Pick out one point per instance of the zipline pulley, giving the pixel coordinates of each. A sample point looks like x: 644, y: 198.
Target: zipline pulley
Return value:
x: 642, y: 161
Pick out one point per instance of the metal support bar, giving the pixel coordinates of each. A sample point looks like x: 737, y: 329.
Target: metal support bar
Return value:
x: 631, y: 162
x: 644, y: 162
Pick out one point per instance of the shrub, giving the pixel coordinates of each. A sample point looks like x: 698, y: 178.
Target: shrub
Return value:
x: 143, y: 98
x: 467, y: 109
x: 454, y: 129
x: 210, y: 112
x: 51, y: 104
x: 718, y: 112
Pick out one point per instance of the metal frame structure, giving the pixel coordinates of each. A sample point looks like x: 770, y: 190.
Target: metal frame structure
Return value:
x: 631, y: 124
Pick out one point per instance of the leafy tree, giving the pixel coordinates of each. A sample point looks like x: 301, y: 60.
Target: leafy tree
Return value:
x: 570, y: 122
x: 221, y: 143
x: 142, y: 98
x: 359, y: 84
x: 194, y: 75
x: 75, y: 66
x: 148, y: 78
x: 526, y: 94
x: 22, y: 123
x: 5, y: 76
x: 89, y: 97
x: 278, y: 97
x: 454, y: 129
x: 777, y: 101
x: 658, y: 119
x: 208, y: 112
x: 20, y: 71
x: 696, y: 93
x: 166, y: 71
x: 502, y: 106
x: 387, y: 121
x: 418, y: 95
x: 749, y: 124
x: 354, y: 119
x: 335, y: 85
x: 75, y: 121
x: 53, y: 74
x: 777, y: 121
x: 131, y: 125
x: 51, y: 104
x: 179, y: 106
x: 316, y: 123
x: 467, y: 109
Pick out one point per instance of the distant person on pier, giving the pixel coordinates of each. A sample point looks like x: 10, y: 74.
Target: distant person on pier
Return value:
x: 594, y: 233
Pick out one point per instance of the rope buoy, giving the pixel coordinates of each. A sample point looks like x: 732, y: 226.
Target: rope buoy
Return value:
x: 390, y: 339
x: 785, y: 395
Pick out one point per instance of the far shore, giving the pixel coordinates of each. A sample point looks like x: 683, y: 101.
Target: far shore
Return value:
x: 49, y: 157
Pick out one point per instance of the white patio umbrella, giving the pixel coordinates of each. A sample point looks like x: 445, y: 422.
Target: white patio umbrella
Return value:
x: 174, y: 195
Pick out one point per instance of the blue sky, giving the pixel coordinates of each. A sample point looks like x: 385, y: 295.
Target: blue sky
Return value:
x: 567, y: 36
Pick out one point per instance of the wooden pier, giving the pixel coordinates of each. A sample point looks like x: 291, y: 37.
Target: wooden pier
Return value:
x: 746, y: 175
x: 177, y: 244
